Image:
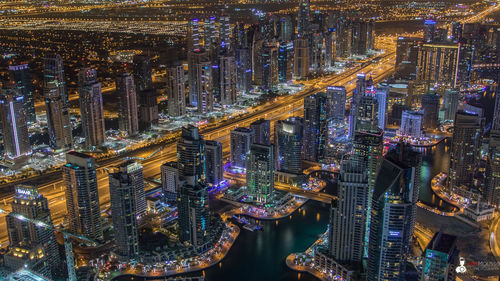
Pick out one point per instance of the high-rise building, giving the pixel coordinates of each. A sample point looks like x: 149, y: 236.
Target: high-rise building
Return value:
x: 261, y: 131
x: 14, y: 126
x: 204, y: 82
x: 429, y: 30
x: 362, y: 37
x: 301, y: 60
x: 465, y: 151
x: 381, y: 97
x: 191, y: 156
x: 406, y: 57
x: 243, y: 70
x: 288, y: 135
x: 367, y: 114
x: 124, y: 184
x: 285, y: 61
x: 393, y: 211
x: 82, y: 196
x: 492, y: 187
x: 430, y: 105
x: 411, y: 123
x: 315, y: 127
x: 260, y: 173
x: 286, y: 28
x: 343, y: 41
x: 224, y: 33
x: 496, y: 114
x: 91, y: 108
x: 440, y: 258
x: 450, y: 104
x: 304, y: 18
x: 170, y: 180
x: 195, y: 59
x: 176, y: 90
x: 336, y: 96
x: 53, y: 69
x: 346, y: 236
x: 269, y: 63
x: 21, y: 75
x: 437, y: 65
x: 146, y: 94
x: 241, y: 139
x: 31, y: 204
x: 362, y: 85
x: 213, y: 162
x: 127, y: 105
x: 193, y: 35
x: 58, y: 119
x: 227, y: 68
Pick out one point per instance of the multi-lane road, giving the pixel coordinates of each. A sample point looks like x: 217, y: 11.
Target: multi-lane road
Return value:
x: 283, y: 107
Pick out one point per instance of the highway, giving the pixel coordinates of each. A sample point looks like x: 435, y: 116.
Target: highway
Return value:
x: 281, y: 108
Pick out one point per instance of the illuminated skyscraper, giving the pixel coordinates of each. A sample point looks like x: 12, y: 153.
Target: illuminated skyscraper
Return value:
x: 176, y: 90
x: 124, y: 185
x: 191, y: 156
x: 315, y: 127
x: 285, y: 62
x: 53, y: 69
x: 393, y: 211
x: 241, y: 139
x: 260, y: 173
x: 492, y: 187
x: 429, y: 30
x: 227, y: 68
x: 21, y: 75
x: 304, y: 18
x: 82, y: 195
x: 269, y: 63
x: 406, y: 57
x: 195, y: 59
x: 213, y: 162
x: 301, y: 60
x: 440, y: 258
x: 91, y: 108
x: 31, y: 204
x: 465, y: 151
x: 58, y: 119
x: 14, y: 127
x: 346, y: 237
x: 450, y: 104
x: 170, y: 181
x: 127, y: 105
x: 437, y: 64
x: 381, y: 97
x: 243, y: 69
x: 367, y: 114
x: 411, y: 123
x: 336, y: 103
x: 204, y: 84
x: 147, y: 96
x: 261, y: 131
x: 288, y: 136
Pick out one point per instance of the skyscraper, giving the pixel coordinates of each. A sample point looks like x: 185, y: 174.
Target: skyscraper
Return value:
x: 227, y: 68
x: 367, y: 114
x: 304, y: 18
x: 261, y: 131
x: 82, y: 196
x: 429, y: 30
x: 336, y: 96
x: 176, y: 90
x: 124, y: 184
x: 450, y: 104
x: 14, y: 127
x: 440, y: 258
x: 362, y: 84
x: 343, y: 36
x: 288, y: 135
x: 243, y: 69
x: 496, y: 114
x: 32, y: 205
x: 492, y: 188
x: 285, y: 61
x: 196, y: 60
x: 269, y: 62
x: 147, y: 97
x: 301, y: 58
x: 430, y: 105
x: 411, y: 123
x: 58, y: 119
x: 127, y: 105
x: 53, y: 69
x: 315, y: 127
x: 260, y: 173
x: 191, y: 156
x: 213, y: 162
x: 465, y: 151
x: 21, y: 75
x: 406, y: 57
x: 204, y: 84
x: 91, y: 108
x: 346, y: 236
x: 170, y: 181
x: 437, y: 64
x: 393, y: 211
x: 241, y: 139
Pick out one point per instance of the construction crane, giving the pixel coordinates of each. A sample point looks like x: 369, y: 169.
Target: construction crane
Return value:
x: 68, y: 246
